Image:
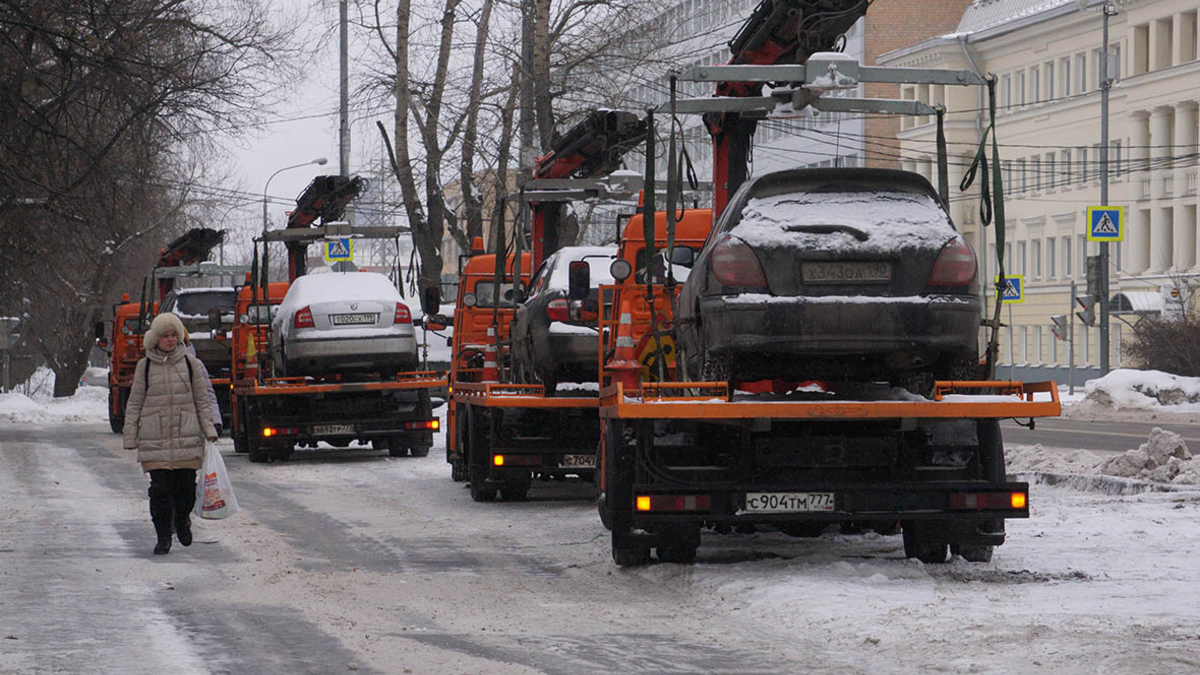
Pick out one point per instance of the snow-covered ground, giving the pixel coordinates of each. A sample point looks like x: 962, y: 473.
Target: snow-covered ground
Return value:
x: 34, y: 402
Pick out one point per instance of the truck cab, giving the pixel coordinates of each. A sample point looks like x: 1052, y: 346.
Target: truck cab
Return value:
x: 125, y: 349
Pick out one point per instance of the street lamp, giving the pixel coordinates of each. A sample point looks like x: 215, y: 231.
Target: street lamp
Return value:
x: 319, y: 160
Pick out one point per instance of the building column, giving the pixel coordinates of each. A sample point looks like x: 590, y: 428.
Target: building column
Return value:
x: 1184, y: 244
x: 1160, y: 222
x: 1138, y: 238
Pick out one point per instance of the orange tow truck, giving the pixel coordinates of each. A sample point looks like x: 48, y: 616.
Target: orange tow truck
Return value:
x: 273, y: 414
x: 130, y: 321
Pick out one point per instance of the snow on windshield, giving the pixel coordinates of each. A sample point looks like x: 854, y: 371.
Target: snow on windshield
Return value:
x: 311, y: 290
x: 891, y: 219
x: 599, y: 258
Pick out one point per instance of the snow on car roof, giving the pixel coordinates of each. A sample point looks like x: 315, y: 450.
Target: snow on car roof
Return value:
x: 310, y: 290
x: 561, y: 276
x: 892, y: 220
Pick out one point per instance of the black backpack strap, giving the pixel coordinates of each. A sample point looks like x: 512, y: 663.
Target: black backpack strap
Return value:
x: 191, y: 375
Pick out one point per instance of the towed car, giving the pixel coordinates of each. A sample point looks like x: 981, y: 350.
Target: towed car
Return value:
x: 555, y: 337
x: 338, y: 323
x: 833, y: 274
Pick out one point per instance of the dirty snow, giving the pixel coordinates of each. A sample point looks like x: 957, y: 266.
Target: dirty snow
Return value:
x: 38, y: 406
x: 1128, y: 389
x: 1163, y: 458
x: 892, y: 220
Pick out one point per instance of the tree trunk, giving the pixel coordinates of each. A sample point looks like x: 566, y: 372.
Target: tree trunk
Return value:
x: 472, y: 204
x: 506, y: 135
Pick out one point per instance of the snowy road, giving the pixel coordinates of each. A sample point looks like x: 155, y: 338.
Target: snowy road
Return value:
x: 353, y: 562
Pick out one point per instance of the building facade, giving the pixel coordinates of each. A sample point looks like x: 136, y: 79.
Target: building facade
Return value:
x: 1046, y: 55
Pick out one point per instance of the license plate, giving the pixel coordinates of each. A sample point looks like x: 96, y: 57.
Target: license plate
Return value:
x: 788, y: 502
x: 846, y: 272
x: 332, y: 429
x: 579, y: 461
x: 352, y: 319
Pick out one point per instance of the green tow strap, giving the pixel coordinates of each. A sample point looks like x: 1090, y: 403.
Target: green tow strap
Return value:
x: 980, y: 165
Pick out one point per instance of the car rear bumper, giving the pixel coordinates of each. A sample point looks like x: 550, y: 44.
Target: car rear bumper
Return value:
x: 362, y: 353
x: 572, y: 352
x: 778, y: 327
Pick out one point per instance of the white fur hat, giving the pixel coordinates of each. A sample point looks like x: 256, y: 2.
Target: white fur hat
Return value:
x: 164, y: 323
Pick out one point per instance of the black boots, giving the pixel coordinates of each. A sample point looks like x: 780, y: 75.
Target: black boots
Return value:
x: 172, y: 496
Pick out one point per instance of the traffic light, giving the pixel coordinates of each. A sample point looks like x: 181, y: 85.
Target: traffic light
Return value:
x: 1093, y: 278
x: 1062, y: 324
x: 1088, y: 303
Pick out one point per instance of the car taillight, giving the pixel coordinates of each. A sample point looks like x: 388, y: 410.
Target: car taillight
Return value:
x: 734, y: 264
x: 402, y: 314
x: 303, y: 319
x: 955, y: 265
x: 558, y: 310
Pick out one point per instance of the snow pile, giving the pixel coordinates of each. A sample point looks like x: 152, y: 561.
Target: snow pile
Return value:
x: 1163, y: 458
x: 1126, y: 389
x: 89, y: 404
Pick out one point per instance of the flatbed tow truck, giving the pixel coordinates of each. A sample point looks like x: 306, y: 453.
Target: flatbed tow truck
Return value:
x: 503, y: 435
x: 274, y: 415
x: 678, y: 457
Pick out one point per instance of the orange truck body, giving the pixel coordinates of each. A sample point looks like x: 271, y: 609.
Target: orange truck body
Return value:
x: 125, y: 351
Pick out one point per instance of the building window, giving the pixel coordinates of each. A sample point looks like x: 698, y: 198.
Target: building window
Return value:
x: 1083, y: 165
x: 1023, y: 341
x: 1019, y: 263
x: 1081, y: 71
x: 1006, y: 91
x: 1051, y: 260
x: 1051, y: 175
x: 1048, y: 68
x: 1021, y: 88
x: 1008, y: 259
x: 1115, y: 158
x: 1065, y: 156
x: 1036, y: 78
x: 1036, y: 170
x: 1037, y: 340
x: 1081, y: 244
x: 1022, y: 178
x: 1066, y: 254
x: 1037, y: 258
x: 1066, y: 76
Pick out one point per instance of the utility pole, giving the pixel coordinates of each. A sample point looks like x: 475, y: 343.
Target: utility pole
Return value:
x: 1110, y: 9
x: 344, y: 93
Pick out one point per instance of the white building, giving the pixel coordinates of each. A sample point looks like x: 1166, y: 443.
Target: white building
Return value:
x: 1046, y: 54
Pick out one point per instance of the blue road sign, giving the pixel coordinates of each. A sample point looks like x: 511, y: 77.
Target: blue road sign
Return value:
x: 1106, y: 223
x: 339, y: 250
x: 1014, y: 289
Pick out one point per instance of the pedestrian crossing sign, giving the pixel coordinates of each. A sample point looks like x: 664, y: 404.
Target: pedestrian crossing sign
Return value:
x: 339, y: 250
x: 1106, y: 223
x: 1014, y: 289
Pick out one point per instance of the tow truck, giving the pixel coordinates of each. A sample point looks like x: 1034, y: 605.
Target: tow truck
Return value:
x: 272, y: 414
x: 677, y: 457
x: 184, y: 256
x: 503, y: 434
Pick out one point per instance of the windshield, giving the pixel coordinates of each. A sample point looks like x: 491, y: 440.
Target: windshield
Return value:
x: 198, y: 304
x: 680, y: 271
x: 485, y: 292
x: 260, y: 313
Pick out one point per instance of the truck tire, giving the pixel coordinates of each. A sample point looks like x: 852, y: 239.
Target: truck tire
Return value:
x: 241, y: 437
x: 458, y: 462
x: 631, y: 557
x: 515, y: 492
x: 927, y: 552
x: 258, y: 453
x: 116, y: 421
x: 480, y: 490
x: 978, y: 554
x: 395, y: 446
x: 419, y: 451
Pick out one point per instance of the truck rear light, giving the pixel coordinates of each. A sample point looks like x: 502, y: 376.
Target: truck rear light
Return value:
x: 268, y: 432
x: 516, y: 460
x: 303, y: 319
x: 735, y: 265
x: 559, y: 310
x: 402, y: 314
x: 992, y: 501
x: 955, y: 265
x: 428, y: 424
x: 674, y: 503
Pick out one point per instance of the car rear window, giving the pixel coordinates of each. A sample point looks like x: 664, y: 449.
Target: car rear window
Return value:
x: 198, y: 304
x: 808, y: 217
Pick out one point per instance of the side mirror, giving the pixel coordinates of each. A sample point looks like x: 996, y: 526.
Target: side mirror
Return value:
x: 98, y: 327
x: 214, y: 319
x: 436, y: 322
x: 431, y: 300
x: 683, y: 256
x: 580, y: 280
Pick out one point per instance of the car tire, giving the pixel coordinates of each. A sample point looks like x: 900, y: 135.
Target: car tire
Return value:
x: 716, y: 368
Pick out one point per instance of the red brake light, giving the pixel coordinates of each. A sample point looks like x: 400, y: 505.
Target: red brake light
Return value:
x: 734, y: 264
x: 303, y: 319
x: 402, y: 314
x: 955, y: 265
x: 558, y: 310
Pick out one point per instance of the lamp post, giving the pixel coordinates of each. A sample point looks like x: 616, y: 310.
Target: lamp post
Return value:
x: 1110, y: 10
x: 319, y: 160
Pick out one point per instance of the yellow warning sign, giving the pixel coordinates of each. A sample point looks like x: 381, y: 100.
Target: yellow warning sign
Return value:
x: 648, y: 350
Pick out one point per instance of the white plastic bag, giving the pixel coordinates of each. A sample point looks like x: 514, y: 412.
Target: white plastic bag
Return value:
x: 214, y: 492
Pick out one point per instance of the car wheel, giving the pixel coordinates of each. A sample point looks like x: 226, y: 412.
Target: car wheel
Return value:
x: 419, y: 451
x: 920, y: 383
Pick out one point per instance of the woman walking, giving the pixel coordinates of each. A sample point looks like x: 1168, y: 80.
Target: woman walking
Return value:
x: 167, y: 419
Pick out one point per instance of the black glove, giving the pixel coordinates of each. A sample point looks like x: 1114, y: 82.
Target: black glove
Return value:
x: 219, y: 429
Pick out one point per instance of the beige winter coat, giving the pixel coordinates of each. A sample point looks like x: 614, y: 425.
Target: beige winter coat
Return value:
x: 168, y: 421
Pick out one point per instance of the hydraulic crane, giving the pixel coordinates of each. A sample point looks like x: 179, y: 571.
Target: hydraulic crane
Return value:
x: 777, y: 32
